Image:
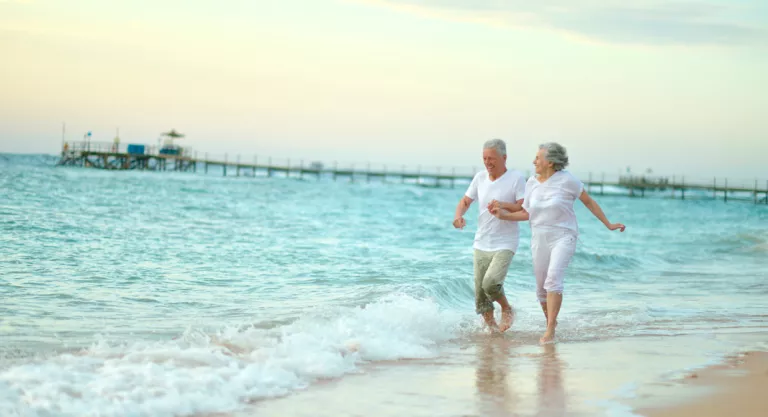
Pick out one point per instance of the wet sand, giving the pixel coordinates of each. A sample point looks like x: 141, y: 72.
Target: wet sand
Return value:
x: 738, y: 387
x: 514, y: 376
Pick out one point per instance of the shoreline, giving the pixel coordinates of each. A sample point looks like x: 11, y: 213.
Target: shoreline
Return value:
x: 502, y: 376
x: 702, y: 375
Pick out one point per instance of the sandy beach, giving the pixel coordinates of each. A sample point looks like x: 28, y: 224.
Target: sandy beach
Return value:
x: 737, y: 387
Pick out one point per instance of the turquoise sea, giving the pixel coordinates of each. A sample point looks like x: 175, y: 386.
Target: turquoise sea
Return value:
x: 181, y: 294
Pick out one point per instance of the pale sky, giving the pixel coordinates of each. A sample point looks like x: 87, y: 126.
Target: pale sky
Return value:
x: 677, y: 86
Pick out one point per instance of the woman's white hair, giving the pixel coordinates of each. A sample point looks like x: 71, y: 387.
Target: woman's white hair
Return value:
x: 556, y: 154
x: 498, y: 145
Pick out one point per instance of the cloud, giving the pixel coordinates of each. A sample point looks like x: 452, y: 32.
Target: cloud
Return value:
x: 672, y: 22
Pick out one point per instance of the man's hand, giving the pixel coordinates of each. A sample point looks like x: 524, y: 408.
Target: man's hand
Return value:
x: 461, y: 209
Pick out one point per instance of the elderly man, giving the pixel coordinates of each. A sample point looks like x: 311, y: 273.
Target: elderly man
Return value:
x: 496, y: 240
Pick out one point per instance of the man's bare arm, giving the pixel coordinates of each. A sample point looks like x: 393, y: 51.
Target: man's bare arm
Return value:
x: 461, y: 209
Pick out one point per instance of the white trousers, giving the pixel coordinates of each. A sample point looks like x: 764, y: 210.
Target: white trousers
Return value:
x: 552, y: 250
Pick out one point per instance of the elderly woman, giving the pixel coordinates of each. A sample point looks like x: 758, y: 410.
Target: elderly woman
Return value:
x: 548, y: 205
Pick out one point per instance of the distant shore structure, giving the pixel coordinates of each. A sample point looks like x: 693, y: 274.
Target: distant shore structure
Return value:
x: 168, y: 156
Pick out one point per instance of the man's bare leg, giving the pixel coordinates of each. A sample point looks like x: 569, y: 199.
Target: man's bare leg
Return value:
x: 554, y: 301
x: 507, y: 315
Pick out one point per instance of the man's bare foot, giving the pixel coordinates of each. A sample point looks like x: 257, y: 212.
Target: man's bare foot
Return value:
x: 493, y: 328
x: 490, y: 321
x: 549, y: 336
x: 507, y: 316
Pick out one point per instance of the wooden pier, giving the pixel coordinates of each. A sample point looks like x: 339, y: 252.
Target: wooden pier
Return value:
x: 111, y: 157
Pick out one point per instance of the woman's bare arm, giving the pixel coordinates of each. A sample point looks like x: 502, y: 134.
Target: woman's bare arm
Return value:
x: 592, y: 205
x: 518, y: 216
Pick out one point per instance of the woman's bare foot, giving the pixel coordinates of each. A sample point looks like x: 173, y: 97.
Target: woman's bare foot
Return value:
x: 549, y: 336
x: 507, y: 317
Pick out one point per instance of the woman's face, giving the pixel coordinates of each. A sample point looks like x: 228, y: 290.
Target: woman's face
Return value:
x: 540, y: 163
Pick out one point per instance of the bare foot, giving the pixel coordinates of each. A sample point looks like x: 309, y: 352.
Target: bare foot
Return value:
x: 507, y: 316
x: 549, y: 336
x: 490, y: 321
x: 493, y: 328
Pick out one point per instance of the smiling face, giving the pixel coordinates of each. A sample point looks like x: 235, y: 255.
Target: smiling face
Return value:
x: 494, y: 163
x: 540, y: 163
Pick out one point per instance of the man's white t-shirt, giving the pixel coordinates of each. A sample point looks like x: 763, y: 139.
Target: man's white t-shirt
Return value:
x: 492, y: 233
x: 550, y: 203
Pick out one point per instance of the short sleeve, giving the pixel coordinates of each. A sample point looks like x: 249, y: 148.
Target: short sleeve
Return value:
x: 472, y: 189
x: 527, y: 195
x: 574, y: 186
x: 520, y: 188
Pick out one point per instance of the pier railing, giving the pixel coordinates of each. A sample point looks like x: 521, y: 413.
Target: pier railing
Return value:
x: 102, y: 147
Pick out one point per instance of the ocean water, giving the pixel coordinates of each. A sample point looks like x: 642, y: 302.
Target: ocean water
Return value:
x: 159, y: 294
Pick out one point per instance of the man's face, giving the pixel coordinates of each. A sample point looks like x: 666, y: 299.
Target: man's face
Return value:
x: 493, y: 162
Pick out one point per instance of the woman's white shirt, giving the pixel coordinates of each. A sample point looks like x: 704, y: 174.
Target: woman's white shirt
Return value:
x: 550, y: 203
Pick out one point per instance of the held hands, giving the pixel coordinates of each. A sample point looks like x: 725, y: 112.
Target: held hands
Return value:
x: 494, y: 207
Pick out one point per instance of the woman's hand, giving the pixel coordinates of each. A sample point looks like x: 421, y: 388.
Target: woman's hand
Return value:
x: 614, y: 226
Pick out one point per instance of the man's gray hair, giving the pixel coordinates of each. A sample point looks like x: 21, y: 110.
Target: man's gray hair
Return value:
x: 498, y: 145
x: 556, y: 154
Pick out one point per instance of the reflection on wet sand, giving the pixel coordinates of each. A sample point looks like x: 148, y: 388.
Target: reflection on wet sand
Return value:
x: 493, y: 393
x: 552, y: 400
x: 496, y: 390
